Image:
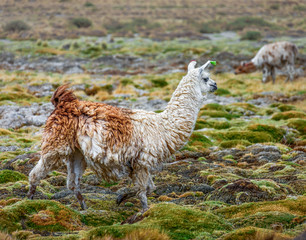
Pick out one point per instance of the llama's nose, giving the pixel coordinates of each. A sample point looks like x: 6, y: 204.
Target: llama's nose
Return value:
x: 214, y: 87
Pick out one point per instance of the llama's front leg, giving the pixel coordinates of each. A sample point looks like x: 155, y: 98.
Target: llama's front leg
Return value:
x: 75, y: 168
x: 265, y: 73
x: 40, y: 171
x: 273, y: 74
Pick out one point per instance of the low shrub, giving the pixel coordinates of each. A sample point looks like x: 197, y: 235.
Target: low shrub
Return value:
x: 16, y: 26
x: 241, y: 22
x: 81, y: 22
x: 251, y: 35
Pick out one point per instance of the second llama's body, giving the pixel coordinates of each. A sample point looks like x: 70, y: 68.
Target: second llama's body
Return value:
x: 272, y: 56
x: 116, y: 142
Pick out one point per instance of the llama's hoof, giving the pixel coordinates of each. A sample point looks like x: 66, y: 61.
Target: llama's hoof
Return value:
x: 30, y: 196
x: 120, y: 198
x: 31, y: 192
x: 84, y: 206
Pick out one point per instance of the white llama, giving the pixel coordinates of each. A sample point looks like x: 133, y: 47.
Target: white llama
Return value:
x: 269, y: 57
x: 116, y: 142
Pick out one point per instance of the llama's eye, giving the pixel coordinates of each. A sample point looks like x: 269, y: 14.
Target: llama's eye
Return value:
x: 206, y: 79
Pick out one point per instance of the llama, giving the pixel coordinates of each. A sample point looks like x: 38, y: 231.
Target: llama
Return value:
x: 116, y: 142
x: 271, y: 56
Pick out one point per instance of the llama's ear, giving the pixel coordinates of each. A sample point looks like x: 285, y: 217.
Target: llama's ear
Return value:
x: 191, y: 65
x: 208, y: 64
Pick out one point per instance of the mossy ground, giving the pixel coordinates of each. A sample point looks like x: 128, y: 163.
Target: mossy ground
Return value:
x: 219, y: 154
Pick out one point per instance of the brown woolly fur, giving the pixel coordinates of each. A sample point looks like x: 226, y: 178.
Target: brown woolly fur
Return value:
x: 72, y: 115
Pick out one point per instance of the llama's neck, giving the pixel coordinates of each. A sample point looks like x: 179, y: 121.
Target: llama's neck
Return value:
x: 181, y: 112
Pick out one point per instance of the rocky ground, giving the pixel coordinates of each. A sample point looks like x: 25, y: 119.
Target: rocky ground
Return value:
x: 240, y: 176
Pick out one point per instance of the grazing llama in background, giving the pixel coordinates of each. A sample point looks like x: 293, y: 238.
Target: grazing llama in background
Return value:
x: 271, y: 56
x: 116, y: 142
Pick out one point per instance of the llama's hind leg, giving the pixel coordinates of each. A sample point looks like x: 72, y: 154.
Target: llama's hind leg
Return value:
x: 151, y: 186
x: 142, y: 181
x: 76, y: 166
x: 290, y: 72
x: 40, y: 171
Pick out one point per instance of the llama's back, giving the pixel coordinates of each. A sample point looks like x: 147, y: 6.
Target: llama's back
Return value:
x: 276, y: 54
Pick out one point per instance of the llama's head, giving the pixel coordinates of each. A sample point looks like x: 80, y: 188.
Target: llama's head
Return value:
x: 206, y: 83
x: 245, y: 67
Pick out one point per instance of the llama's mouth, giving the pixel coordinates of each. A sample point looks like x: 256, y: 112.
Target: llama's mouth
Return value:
x: 213, y: 88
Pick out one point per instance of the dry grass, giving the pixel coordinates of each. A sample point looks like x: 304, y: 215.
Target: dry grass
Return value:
x: 141, y: 234
x: 251, y: 83
x: 53, y: 18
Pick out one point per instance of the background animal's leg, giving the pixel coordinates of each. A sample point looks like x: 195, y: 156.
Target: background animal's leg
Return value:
x: 265, y: 73
x: 76, y: 166
x: 290, y: 72
x: 273, y: 74
x: 40, y: 171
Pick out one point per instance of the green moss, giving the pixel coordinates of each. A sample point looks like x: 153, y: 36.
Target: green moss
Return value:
x: 176, y: 221
x: 253, y: 233
x: 252, y: 137
x: 298, y: 124
x: 11, y: 176
x: 197, y: 142
x: 234, y: 143
x: 159, y: 82
x: 246, y: 106
x: 246, y: 21
x: 212, y: 205
x: 222, y: 92
x: 101, y: 217
x: 251, y: 35
x: 285, y: 107
x: 288, y: 115
x: 201, y: 123
x: 17, y: 97
x: 126, y: 81
x: 213, y: 106
x: 276, y: 133
x: 265, y: 220
x: 292, y: 206
x: 218, y: 114
x: 39, y: 215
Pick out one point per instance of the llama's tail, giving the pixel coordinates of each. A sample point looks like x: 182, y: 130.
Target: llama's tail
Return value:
x: 62, y: 94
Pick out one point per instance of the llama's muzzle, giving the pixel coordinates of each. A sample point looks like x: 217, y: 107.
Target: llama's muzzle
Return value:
x: 213, y: 87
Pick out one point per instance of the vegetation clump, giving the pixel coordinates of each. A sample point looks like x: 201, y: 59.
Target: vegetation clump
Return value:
x: 81, y: 22
x: 250, y: 136
x: 11, y: 176
x: 16, y: 26
x: 288, y: 115
x: 241, y: 22
x: 276, y: 133
x: 298, y: 124
x: 234, y: 143
x: 176, y: 221
x: 39, y: 215
x: 251, y: 35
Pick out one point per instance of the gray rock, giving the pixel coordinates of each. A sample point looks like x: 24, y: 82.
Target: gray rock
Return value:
x: 8, y: 148
x: 18, y: 116
x: 42, y: 90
